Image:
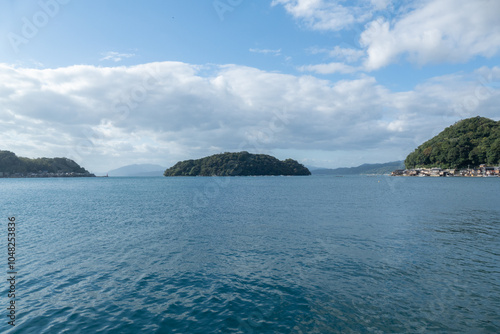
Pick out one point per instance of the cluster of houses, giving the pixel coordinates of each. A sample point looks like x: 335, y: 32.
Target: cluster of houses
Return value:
x: 44, y: 174
x: 482, y: 171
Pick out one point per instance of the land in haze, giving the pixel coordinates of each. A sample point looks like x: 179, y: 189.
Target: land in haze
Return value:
x: 381, y: 168
x: 138, y: 170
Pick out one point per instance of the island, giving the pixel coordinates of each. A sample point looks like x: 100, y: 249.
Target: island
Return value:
x: 12, y: 166
x: 237, y: 164
x: 470, y: 147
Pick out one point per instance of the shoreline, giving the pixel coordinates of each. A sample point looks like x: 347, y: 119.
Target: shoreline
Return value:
x: 482, y: 171
x: 43, y: 175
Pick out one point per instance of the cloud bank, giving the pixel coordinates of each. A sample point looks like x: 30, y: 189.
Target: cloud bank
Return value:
x: 105, y: 117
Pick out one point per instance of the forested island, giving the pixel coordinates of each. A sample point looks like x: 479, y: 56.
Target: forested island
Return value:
x: 470, y: 147
x: 237, y: 164
x: 13, y: 166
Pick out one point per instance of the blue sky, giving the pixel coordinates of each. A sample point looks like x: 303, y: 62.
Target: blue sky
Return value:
x: 329, y: 83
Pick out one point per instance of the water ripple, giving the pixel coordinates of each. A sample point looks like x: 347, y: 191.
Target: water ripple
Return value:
x: 266, y: 255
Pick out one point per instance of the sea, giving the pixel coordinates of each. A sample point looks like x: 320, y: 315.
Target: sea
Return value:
x: 300, y: 254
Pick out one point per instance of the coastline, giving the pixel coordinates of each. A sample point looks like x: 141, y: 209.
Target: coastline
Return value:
x: 482, y: 171
x: 42, y: 175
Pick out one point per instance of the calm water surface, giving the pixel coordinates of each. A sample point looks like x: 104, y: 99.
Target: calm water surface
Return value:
x: 254, y: 255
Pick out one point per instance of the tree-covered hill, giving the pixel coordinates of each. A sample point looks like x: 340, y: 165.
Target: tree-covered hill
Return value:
x: 237, y: 164
x: 469, y: 142
x: 11, y: 164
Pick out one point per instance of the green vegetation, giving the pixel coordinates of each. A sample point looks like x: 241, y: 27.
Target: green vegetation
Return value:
x: 237, y: 164
x: 11, y: 164
x: 469, y: 142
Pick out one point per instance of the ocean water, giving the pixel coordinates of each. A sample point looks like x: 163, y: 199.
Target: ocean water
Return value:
x: 253, y: 255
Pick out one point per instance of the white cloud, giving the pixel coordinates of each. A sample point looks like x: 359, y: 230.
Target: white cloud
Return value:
x: 329, y: 68
x: 266, y: 51
x: 421, y: 32
x: 164, y: 112
x: 349, y: 55
x: 438, y: 31
x: 380, y: 4
x: 115, y: 56
x: 327, y: 15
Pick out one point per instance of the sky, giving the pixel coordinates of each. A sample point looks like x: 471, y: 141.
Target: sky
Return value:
x: 330, y: 83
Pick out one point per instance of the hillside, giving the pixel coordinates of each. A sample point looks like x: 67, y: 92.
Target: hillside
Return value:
x: 12, y: 165
x: 469, y: 142
x: 383, y: 168
x: 237, y: 164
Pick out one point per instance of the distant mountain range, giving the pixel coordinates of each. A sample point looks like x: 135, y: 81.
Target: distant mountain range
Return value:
x: 138, y: 170
x: 383, y: 168
x: 145, y: 170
